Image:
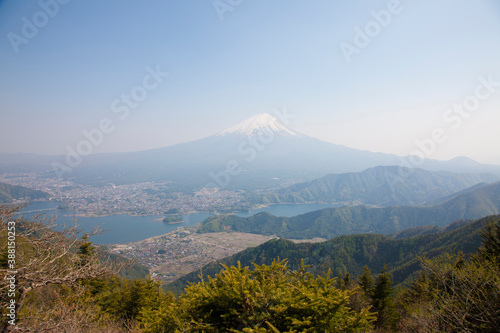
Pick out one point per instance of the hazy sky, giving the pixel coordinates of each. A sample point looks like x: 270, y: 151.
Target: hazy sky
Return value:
x: 373, y: 75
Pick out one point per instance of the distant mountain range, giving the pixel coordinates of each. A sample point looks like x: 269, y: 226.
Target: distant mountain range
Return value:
x: 380, y: 186
x: 258, y: 153
x: 11, y: 193
x: 332, y: 222
x: 350, y: 253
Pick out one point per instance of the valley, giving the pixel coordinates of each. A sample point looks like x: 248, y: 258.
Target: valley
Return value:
x: 345, y: 220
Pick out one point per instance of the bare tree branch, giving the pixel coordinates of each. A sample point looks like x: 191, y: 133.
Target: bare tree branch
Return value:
x: 45, y: 256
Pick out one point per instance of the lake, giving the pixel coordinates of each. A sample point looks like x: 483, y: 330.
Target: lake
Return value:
x: 125, y: 228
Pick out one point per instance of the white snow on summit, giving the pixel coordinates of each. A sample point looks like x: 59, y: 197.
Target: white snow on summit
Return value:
x: 264, y: 123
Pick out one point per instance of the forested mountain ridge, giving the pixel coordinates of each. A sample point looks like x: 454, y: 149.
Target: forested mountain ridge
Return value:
x: 380, y: 186
x: 349, y: 253
x: 10, y: 193
x: 333, y: 222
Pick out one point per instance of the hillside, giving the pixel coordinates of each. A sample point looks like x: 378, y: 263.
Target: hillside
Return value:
x: 351, y: 253
x: 332, y: 222
x: 380, y: 186
x: 132, y: 269
x: 11, y: 193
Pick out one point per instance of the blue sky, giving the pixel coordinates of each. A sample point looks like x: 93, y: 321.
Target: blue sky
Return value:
x: 263, y: 55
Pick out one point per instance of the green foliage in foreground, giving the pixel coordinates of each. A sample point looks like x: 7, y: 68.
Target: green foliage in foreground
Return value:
x: 453, y: 294
x: 266, y: 299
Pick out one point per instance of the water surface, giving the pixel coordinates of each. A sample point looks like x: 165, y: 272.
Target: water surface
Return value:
x: 124, y: 228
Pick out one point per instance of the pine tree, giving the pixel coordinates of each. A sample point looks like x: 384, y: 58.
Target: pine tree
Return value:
x: 340, y: 281
x: 4, y: 258
x: 347, y: 281
x: 266, y: 299
x: 490, y: 248
x: 366, y: 281
x: 86, y: 250
x: 382, y: 300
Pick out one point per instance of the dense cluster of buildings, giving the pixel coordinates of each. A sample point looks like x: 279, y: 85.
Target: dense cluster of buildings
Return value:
x: 148, y: 198
x: 174, y: 254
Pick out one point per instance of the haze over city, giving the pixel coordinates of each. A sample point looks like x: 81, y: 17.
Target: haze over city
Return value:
x: 375, y: 75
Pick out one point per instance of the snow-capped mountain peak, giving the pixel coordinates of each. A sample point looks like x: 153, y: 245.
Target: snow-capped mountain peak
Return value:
x: 260, y: 123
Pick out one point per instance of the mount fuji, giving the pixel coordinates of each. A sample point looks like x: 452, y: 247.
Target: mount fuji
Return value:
x: 259, y: 124
x: 260, y: 152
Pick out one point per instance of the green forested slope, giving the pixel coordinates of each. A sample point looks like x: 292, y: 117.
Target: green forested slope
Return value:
x: 9, y: 193
x: 333, y: 222
x: 381, y: 186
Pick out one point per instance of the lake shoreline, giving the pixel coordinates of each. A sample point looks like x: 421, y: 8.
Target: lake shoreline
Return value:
x: 125, y: 228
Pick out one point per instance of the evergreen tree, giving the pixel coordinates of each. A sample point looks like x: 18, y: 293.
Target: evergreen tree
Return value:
x: 267, y: 299
x: 86, y: 250
x: 382, y: 300
x: 366, y: 281
x: 347, y: 281
x: 340, y: 281
x: 4, y: 258
x: 490, y: 248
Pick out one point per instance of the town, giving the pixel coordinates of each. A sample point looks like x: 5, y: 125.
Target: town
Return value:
x: 147, y: 198
x: 179, y: 252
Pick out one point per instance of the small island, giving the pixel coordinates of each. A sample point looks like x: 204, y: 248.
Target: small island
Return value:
x: 173, y: 219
